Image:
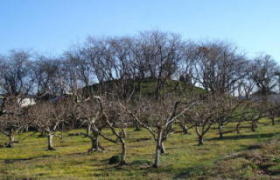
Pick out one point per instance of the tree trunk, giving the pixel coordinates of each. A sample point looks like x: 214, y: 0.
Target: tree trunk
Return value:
x: 184, y: 128
x: 123, y: 153
x: 273, y: 121
x: 158, y: 149
x: 199, y: 135
x: 50, y: 141
x: 162, y: 148
x: 253, y: 126
x: 237, y: 128
x: 89, y: 130
x: 137, y: 126
x: 200, y: 140
x: 11, y: 140
x: 95, y: 144
x: 221, y: 134
x: 124, y: 134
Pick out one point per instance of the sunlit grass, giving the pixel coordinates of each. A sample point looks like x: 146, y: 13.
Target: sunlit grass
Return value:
x: 30, y: 158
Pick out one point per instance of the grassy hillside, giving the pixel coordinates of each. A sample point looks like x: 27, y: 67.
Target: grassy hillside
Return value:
x: 255, y: 155
x: 147, y: 87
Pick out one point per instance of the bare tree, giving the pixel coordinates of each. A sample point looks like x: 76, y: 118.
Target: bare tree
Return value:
x: 48, y: 116
x: 15, y: 76
x: 99, y: 56
x: 211, y: 109
x: 264, y: 74
x: 117, y: 122
x: 88, y: 112
x: 161, y: 52
x: 219, y: 66
x: 50, y: 77
x: 158, y: 118
x: 228, y: 109
x: 12, y: 119
x: 112, y: 61
x: 273, y: 112
x: 78, y: 67
x: 187, y: 67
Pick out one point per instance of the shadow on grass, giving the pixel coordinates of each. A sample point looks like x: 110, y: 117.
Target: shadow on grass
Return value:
x: 275, y: 173
x: 251, y: 147
x: 9, y: 161
x: 249, y: 136
x: 13, y: 160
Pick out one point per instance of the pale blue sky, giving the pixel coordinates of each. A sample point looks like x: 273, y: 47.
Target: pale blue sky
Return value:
x: 52, y: 26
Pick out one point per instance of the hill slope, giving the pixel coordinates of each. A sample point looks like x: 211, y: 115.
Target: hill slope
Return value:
x: 145, y: 87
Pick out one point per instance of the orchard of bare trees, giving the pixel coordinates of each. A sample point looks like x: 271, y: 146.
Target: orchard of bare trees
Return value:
x: 154, y: 81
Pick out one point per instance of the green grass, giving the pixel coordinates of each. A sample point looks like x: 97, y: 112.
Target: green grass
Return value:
x: 232, y: 157
x: 148, y: 86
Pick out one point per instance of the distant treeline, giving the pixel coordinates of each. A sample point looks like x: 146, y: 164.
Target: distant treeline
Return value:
x: 213, y: 65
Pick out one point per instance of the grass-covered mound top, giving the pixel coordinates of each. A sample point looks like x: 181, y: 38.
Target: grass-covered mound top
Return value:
x: 146, y: 87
